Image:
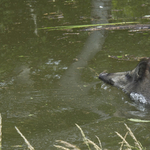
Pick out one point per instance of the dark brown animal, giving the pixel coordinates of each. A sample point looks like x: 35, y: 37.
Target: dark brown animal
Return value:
x: 135, y: 82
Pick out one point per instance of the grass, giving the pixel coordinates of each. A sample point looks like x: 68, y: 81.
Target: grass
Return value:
x: 26, y: 141
x: 83, y: 26
x: 137, y: 145
x: 67, y: 146
x: 124, y: 144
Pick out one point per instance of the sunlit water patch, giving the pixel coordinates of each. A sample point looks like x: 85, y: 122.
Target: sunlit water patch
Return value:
x: 52, y: 62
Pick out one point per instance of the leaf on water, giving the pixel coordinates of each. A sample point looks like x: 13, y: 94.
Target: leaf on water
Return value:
x: 119, y: 56
x: 17, y: 146
x: 21, y: 56
x: 138, y: 120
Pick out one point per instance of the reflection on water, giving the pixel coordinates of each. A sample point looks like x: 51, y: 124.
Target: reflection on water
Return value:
x: 22, y: 76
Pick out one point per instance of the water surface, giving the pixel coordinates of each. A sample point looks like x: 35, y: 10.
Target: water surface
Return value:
x: 49, y: 79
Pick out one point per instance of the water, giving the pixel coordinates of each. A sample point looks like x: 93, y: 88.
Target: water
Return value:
x: 48, y: 79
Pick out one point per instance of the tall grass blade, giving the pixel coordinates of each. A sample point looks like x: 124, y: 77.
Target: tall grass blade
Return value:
x: 26, y: 141
x: 84, y: 26
x: 67, y: 145
x: 95, y: 145
x: 100, y: 144
x: 124, y: 141
x: 84, y: 138
x: 61, y: 147
x: 137, y: 143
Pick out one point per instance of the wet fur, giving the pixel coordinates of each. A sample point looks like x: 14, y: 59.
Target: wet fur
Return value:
x: 136, y: 80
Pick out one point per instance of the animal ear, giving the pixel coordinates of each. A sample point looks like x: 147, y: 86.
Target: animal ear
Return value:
x: 142, y: 68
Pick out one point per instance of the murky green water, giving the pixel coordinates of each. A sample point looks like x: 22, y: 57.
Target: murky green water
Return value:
x: 48, y: 79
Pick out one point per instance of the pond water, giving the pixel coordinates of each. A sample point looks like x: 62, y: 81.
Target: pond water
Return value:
x: 48, y: 79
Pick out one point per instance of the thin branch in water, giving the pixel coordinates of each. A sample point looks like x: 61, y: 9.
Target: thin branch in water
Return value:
x: 26, y: 141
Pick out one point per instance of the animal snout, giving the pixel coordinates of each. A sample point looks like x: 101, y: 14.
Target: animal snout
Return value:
x: 102, y: 75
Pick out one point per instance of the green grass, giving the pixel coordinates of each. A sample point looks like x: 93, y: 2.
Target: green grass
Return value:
x: 84, y: 26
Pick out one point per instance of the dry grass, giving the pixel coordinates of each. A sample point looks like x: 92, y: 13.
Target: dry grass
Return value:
x: 26, y: 141
x: 124, y: 144
x: 67, y: 146
x: 88, y: 142
x: 137, y: 145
